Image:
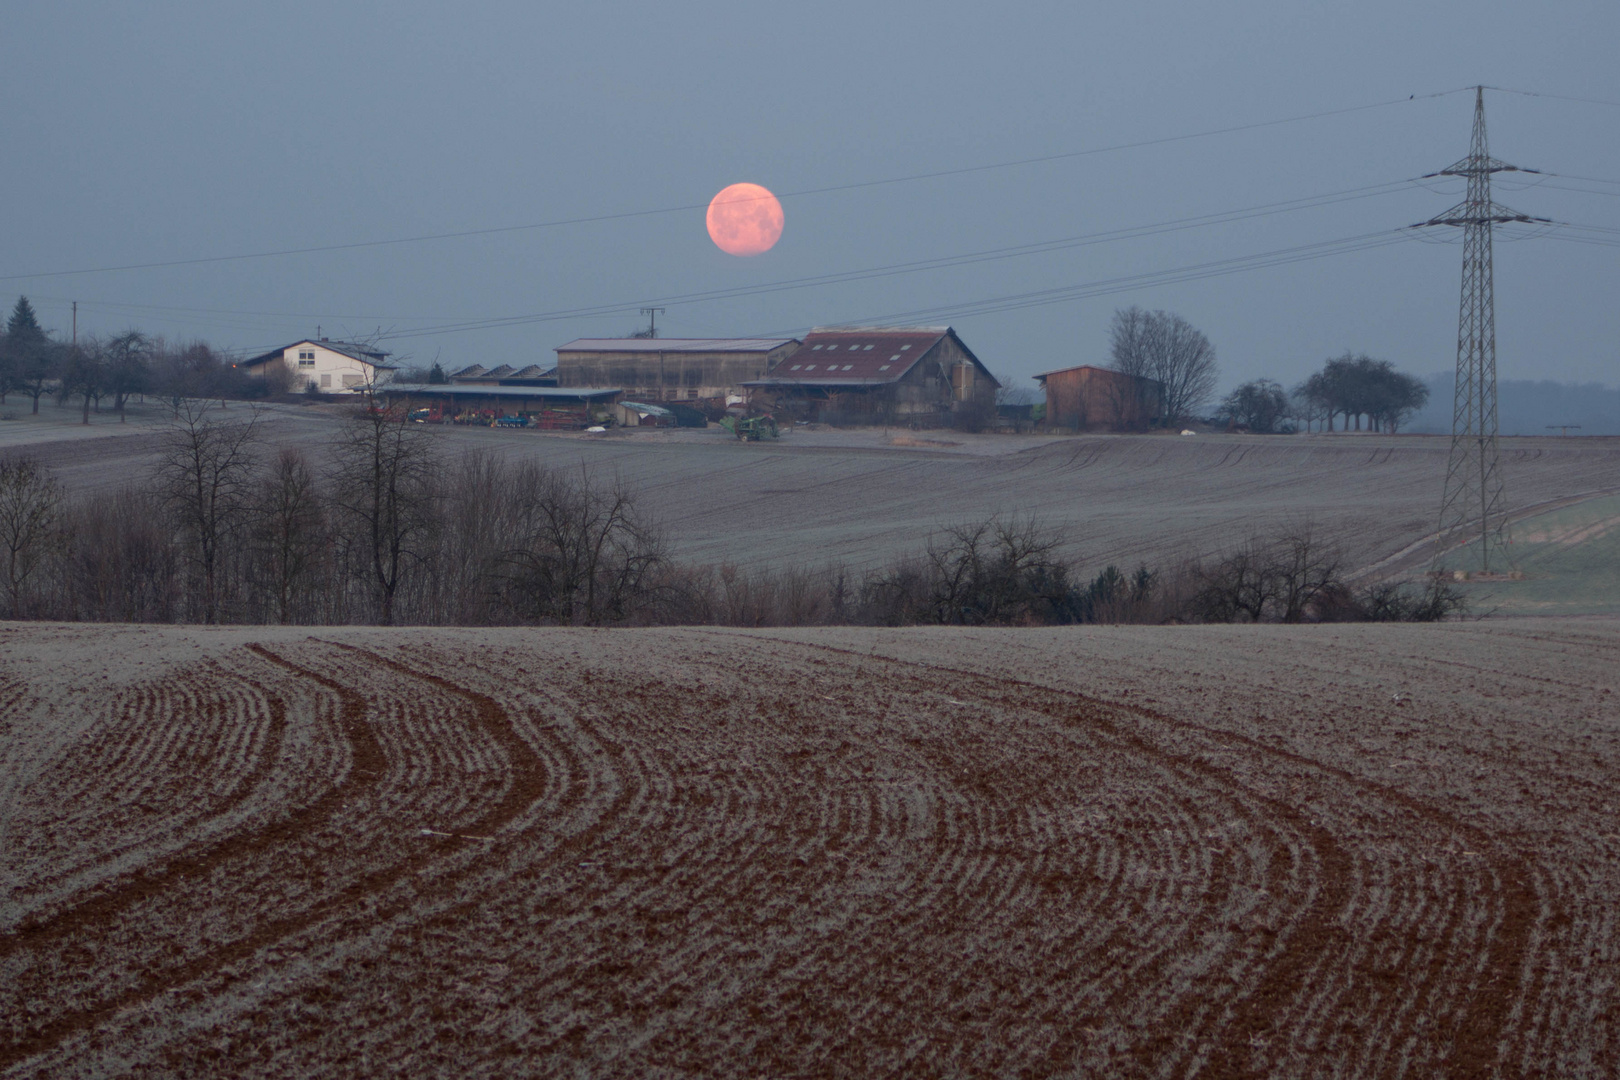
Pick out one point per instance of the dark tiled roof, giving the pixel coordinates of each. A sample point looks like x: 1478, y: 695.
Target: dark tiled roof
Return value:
x: 857, y: 356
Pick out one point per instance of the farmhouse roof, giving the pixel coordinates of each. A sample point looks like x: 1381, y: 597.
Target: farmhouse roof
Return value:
x: 353, y: 351
x: 859, y: 355
x: 675, y: 345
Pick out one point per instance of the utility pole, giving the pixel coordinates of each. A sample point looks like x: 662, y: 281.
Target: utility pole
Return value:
x: 1473, y: 497
x: 652, y: 314
x: 75, y: 322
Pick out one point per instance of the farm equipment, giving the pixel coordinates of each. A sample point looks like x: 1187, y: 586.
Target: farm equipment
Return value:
x: 751, y: 428
x: 512, y: 421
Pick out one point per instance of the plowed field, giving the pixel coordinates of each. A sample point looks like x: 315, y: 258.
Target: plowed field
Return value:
x: 1223, y: 851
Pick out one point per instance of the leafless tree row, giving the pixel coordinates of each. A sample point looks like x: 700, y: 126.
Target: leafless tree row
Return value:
x: 225, y: 530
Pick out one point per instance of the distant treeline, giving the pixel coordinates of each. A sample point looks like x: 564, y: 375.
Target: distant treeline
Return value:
x: 94, y: 371
x: 1530, y: 407
x: 227, y: 530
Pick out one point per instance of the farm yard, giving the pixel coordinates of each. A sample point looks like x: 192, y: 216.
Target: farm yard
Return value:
x: 1129, y: 851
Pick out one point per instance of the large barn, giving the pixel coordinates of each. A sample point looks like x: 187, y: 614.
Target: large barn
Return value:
x: 1087, y: 398
x: 880, y: 372
x: 670, y: 369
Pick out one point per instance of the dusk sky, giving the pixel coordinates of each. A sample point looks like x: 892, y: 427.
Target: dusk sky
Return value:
x: 165, y: 132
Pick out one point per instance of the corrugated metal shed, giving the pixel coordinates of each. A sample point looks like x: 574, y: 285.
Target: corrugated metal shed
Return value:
x: 451, y: 390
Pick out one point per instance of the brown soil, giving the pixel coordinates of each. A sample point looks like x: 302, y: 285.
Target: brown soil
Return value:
x: 1234, y: 851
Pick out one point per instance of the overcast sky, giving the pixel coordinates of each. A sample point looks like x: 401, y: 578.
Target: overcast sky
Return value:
x: 158, y: 132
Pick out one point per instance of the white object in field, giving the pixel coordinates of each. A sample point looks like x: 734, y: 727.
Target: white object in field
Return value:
x: 1188, y: 431
x: 733, y: 399
x: 596, y: 429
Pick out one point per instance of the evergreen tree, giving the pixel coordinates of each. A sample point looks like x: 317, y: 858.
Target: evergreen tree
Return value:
x: 23, y: 327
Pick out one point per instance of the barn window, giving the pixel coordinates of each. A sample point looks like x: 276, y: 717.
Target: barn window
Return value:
x: 815, y: 347
x: 869, y: 348
x: 809, y: 367
x: 848, y: 366
x: 796, y: 367
x: 893, y: 358
x: 905, y: 346
x: 883, y: 367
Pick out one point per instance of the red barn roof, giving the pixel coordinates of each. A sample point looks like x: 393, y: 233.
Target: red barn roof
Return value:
x: 858, y: 356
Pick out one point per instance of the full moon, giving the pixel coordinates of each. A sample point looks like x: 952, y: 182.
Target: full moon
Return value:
x: 745, y: 219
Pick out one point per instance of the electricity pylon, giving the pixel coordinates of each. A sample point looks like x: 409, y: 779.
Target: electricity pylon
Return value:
x: 1473, y: 498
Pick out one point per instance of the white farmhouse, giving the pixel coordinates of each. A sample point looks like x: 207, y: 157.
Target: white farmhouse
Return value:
x: 332, y: 367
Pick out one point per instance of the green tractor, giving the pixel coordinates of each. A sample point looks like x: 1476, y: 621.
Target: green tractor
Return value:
x: 751, y: 428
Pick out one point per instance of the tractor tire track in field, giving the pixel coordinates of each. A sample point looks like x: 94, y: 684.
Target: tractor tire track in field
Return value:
x: 526, y: 781
x: 150, y: 738
x: 738, y: 853
x: 1479, y: 1039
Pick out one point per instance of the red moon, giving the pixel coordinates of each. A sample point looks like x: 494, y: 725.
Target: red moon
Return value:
x: 745, y: 219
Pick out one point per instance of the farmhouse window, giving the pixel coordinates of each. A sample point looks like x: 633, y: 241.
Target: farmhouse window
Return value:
x: 883, y: 367
x: 816, y: 348
x: 326, y: 380
x: 809, y: 367
x: 306, y: 363
x: 848, y: 366
x: 796, y: 367
x: 869, y: 348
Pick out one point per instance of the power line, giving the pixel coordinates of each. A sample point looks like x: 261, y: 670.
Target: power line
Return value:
x: 1556, y: 97
x: 628, y: 214
x: 1153, y: 279
x: 1084, y: 290
x: 1040, y: 247
x: 892, y: 269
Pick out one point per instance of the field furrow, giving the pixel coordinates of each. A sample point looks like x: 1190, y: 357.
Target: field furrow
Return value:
x: 863, y: 852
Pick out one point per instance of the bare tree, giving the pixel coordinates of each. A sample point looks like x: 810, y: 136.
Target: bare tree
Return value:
x: 1305, y: 570
x: 82, y: 374
x: 1168, y: 349
x: 128, y: 367
x: 205, y: 477
x: 290, y: 534
x: 385, y: 497
x: 30, y: 519
x: 1260, y: 405
x: 584, y: 552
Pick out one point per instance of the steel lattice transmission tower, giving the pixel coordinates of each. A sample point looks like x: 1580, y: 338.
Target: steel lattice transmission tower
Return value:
x: 1473, y: 503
